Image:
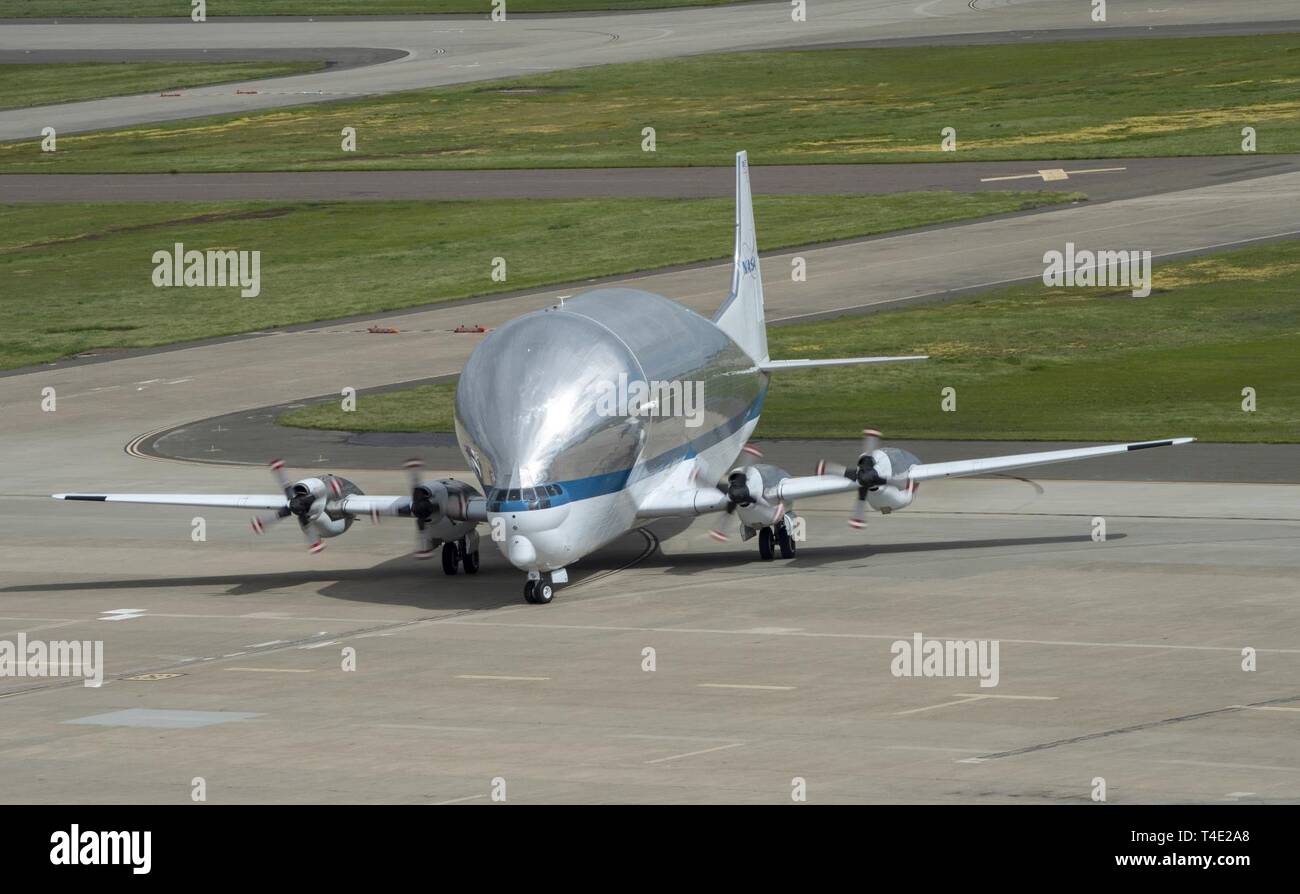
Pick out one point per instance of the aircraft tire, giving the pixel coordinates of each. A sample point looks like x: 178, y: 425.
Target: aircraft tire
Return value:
x: 765, y: 544
x: 785, y: 542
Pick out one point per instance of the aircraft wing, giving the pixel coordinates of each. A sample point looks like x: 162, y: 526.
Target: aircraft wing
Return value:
x: 799, y: 487
x: 928, y: 471
x: 806, y: 486
x: 224, y: 501
x: 353, y: 504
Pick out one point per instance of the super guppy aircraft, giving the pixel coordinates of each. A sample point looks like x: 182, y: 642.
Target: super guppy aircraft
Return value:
x: 596, y: 416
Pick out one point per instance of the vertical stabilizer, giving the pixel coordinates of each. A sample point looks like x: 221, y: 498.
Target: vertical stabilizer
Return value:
x: 741, y: 315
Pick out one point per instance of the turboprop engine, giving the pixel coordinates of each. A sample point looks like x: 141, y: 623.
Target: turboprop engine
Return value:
x: 882, y: 477
x: 313, y: 502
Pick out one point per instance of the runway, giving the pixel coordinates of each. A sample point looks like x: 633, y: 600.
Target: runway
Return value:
x: 444, y: 51
x: 1100, y: 179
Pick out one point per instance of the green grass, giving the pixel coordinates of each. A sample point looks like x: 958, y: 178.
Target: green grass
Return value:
x: 79, y: 277
x: 24, y: 85
x: 1103, y: 99
x: 317, y: 8
x: 1027, y: 363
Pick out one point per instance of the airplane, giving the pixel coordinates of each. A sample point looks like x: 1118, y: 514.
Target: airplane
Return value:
x: 603, y: 413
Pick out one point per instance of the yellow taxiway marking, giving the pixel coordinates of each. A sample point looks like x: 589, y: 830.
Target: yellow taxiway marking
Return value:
x: 496, y: 677
x: 673, y: 757
x: 743, y: 686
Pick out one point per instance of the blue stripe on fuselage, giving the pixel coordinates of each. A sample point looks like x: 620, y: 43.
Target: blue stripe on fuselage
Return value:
x: 613, y: 482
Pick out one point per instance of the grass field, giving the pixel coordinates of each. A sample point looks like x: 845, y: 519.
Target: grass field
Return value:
x: 1027, y: 363
x: 38, y: 85
x: 1100, y: 99
x: 80, y: 276
x: 317, y: 8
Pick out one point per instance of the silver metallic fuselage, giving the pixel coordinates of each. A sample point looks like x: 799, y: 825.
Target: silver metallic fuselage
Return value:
x: 561, y: 472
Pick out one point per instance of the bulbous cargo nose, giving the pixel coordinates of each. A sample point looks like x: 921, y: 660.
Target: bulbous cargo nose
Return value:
x: 521, y: 552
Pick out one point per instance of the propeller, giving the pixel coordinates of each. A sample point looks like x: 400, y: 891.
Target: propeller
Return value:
x: 864, y: 473
x: 736, y: 488
x: 299, y: 502
x: 423, y: 510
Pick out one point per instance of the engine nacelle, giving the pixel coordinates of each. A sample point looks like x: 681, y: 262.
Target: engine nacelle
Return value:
x: 888, y: 498
x: 761, y: 513
x: 446, y: 502
x: 892, y: 463
x: 324, y: 491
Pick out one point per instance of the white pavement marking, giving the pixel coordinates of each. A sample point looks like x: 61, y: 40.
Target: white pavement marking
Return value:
x: 435, y: 729
x: 1265, y: 708
x: 881, y: 636
x: 742, y: 686
x: 122, y: 614
x: 496, y: 677
x: 964, y: 697
x: 271, y: 670
x: 1048, y: 174
x: 673, y: 757
x: 458, y: 800
x: 1231, y: 766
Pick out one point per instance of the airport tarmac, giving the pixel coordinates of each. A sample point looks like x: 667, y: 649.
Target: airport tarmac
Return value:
x: 1119, y: 659
x: 442, y: 50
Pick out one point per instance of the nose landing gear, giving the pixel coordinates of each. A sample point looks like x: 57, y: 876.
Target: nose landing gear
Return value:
x: 540, y: 588
x: 539, y: 592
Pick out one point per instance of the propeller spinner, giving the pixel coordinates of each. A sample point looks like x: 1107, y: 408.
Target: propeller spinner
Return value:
x: 300, y: 502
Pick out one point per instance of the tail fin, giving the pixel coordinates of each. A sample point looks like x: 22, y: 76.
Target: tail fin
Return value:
x: 741, y: 315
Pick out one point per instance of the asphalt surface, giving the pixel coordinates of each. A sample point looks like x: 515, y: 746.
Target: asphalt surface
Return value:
x: 337, y: 58
x: 460, y: 50
x: 1099, y: 179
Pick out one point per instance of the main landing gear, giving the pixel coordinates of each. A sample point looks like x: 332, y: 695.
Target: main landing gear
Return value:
x: 776, y: 537
x: 460, y: 553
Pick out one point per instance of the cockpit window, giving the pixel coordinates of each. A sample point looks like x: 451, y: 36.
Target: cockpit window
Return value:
x: 522, y: 499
